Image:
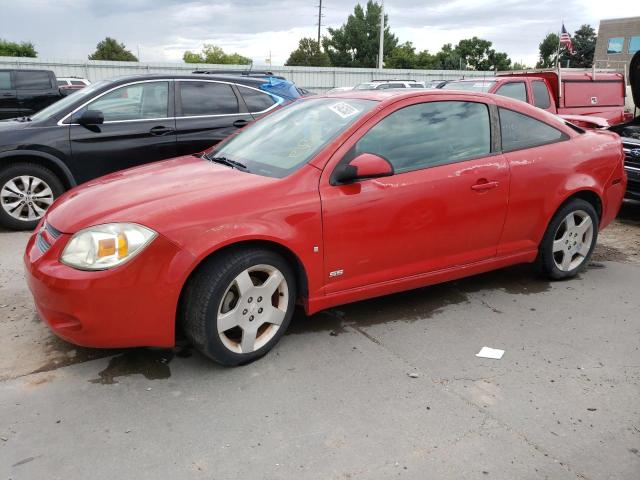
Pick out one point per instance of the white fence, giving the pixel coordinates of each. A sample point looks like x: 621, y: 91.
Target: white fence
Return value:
x: 317, y: 79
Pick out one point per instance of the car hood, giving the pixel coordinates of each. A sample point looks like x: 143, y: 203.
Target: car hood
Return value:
x: 634, y: 78
x: 13, y: 125
x: 150, y: 194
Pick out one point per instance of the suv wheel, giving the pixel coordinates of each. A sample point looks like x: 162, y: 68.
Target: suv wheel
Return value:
x: 26, y: 191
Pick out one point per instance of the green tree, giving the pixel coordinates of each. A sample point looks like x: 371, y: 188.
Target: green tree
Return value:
x: 477, y: 54
x: 519, y: 66
x: 498, y: 61
x: 110, y: 49
x: 426, y: 61
x: 308, y: 54
x: 356, y: 43
x: 548, y: 49
x: 448, y: 59
x: 14, y: 49
x: 584, y: 45
x: 215, y: 55
x: 403, y: 56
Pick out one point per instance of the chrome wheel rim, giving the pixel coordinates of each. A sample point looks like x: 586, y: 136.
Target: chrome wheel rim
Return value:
x: 252, y: 309
x: 26, y: 197
x: 572, y: 241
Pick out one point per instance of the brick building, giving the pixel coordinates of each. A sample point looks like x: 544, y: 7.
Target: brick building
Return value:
x: 618, y: 40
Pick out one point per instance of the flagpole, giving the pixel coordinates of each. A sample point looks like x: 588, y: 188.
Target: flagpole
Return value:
x: 558, y: 50
x: 558, y: 65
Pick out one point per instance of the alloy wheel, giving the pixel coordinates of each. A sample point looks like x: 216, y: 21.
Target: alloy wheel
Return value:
x: 252, y: 308
x: 572, y: 240
x: 26, y: 197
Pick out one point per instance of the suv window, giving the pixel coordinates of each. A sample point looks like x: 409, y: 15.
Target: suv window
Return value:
x: 62, y: 83
x: 515, y: 90
x: 207, y: 98
x: 256, y: 101
x: 133, y: 102
x: 383, y: 86
x: 32, y: 80
x: 540, y: 94
x: 78, y: 83
x: 430, y: 134
x: 5, y: 80
x: 520, y: 131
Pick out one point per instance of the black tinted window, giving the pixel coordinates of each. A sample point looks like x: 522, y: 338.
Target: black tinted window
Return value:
x: 540, y: 94
x: 520, y: 131
x: 430, y: 134
x: 515, y: 90
x: 138, y: 101
x: 5, y: 80
x: 256, y: 101
x: 207, y: 98
x: 32, y: 80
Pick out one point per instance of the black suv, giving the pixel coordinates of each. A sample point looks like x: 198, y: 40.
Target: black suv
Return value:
x: 24, y: 92
x: 117, y: 124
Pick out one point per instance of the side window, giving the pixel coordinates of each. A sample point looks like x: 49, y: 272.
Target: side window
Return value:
x: 520, y: 131
x: 384, y: 86
x: 515, y: 90
x: 256, y: 101
x: 78, y: 83
x: 32, y: 80
x: 540, y: 94
x: 133, y: 102
x: 5, y: 80
x: 430, y: 134
x: 62, y: 83
x: 207, y: 98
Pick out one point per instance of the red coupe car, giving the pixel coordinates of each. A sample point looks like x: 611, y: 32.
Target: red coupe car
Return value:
x: 330, y: 200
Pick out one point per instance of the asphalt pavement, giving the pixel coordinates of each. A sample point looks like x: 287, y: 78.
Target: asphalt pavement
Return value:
x: 379, y: 389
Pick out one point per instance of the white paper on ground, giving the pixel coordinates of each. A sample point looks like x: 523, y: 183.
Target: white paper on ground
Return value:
x: 486, y: 352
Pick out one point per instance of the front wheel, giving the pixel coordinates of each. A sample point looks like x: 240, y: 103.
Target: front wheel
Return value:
x: 569, y: 240
x: 26, y: 191
x: 238, y: 305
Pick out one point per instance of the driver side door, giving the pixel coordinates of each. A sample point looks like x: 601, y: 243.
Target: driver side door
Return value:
x: 444, y: 206
x: 139, y: 127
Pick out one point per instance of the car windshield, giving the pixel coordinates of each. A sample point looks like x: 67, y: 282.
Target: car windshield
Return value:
x: 366, y: 86
x: 283, y: 141
x: 473, y: 86
x: 62, y: 104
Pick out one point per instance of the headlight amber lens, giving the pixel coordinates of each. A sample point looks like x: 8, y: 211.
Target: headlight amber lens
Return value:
x: 106, y: 246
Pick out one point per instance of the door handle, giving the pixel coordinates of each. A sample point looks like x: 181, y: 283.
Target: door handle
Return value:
x: 160, y: 130
x: 240, y: 123
x: 483, y: 185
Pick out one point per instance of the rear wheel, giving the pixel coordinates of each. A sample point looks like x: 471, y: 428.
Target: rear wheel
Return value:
x: 569, y: 240
x: 26, y: 191
x: 238, y: 305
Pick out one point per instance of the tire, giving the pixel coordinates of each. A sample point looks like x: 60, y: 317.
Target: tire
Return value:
x: 39, y: 187
x: 565, y: 249
x: 226, y: 304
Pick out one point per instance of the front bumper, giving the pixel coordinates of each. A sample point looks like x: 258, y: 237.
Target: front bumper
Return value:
x: 131, y: 305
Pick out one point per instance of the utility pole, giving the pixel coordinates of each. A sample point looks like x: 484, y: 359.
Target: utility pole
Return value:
x: 381, y: 49
x: 319, y: 20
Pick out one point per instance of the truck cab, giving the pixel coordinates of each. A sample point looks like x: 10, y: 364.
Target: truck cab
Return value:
x: 589, y: 98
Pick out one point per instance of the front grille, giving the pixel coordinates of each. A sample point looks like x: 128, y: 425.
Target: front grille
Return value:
x: 46, y: 236
x: 41, y: 243
x: 53, y: 233
x: 631, y: 153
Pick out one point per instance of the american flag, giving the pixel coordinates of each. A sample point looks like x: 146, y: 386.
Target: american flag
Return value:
x: 565, y: 39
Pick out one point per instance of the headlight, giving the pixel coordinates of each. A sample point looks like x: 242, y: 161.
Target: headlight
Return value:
x: 106, y: 246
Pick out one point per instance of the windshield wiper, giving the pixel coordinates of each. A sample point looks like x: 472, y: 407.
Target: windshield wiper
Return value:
x: 228, y: 162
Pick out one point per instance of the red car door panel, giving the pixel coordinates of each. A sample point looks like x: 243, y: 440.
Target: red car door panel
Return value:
x: 415, y: 221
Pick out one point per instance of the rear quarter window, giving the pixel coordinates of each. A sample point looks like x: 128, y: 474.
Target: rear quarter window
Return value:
x: 520, y: 131
x: 32, y: 80
x: 256, y: 101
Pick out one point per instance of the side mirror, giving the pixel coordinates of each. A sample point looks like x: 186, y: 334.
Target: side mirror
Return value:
x: 365, y: 165
x: 90, y: 118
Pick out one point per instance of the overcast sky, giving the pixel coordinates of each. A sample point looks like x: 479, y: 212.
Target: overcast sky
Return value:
x: 161, y: 30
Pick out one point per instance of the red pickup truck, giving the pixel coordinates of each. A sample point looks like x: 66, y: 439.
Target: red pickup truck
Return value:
x: 586, y: 98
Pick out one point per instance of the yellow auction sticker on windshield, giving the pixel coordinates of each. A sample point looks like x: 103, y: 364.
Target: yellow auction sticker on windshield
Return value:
x: 343, y: 109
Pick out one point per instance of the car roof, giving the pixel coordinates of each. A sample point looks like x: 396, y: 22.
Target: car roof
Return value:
x: 244, y: 80
x: 382, y: 95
